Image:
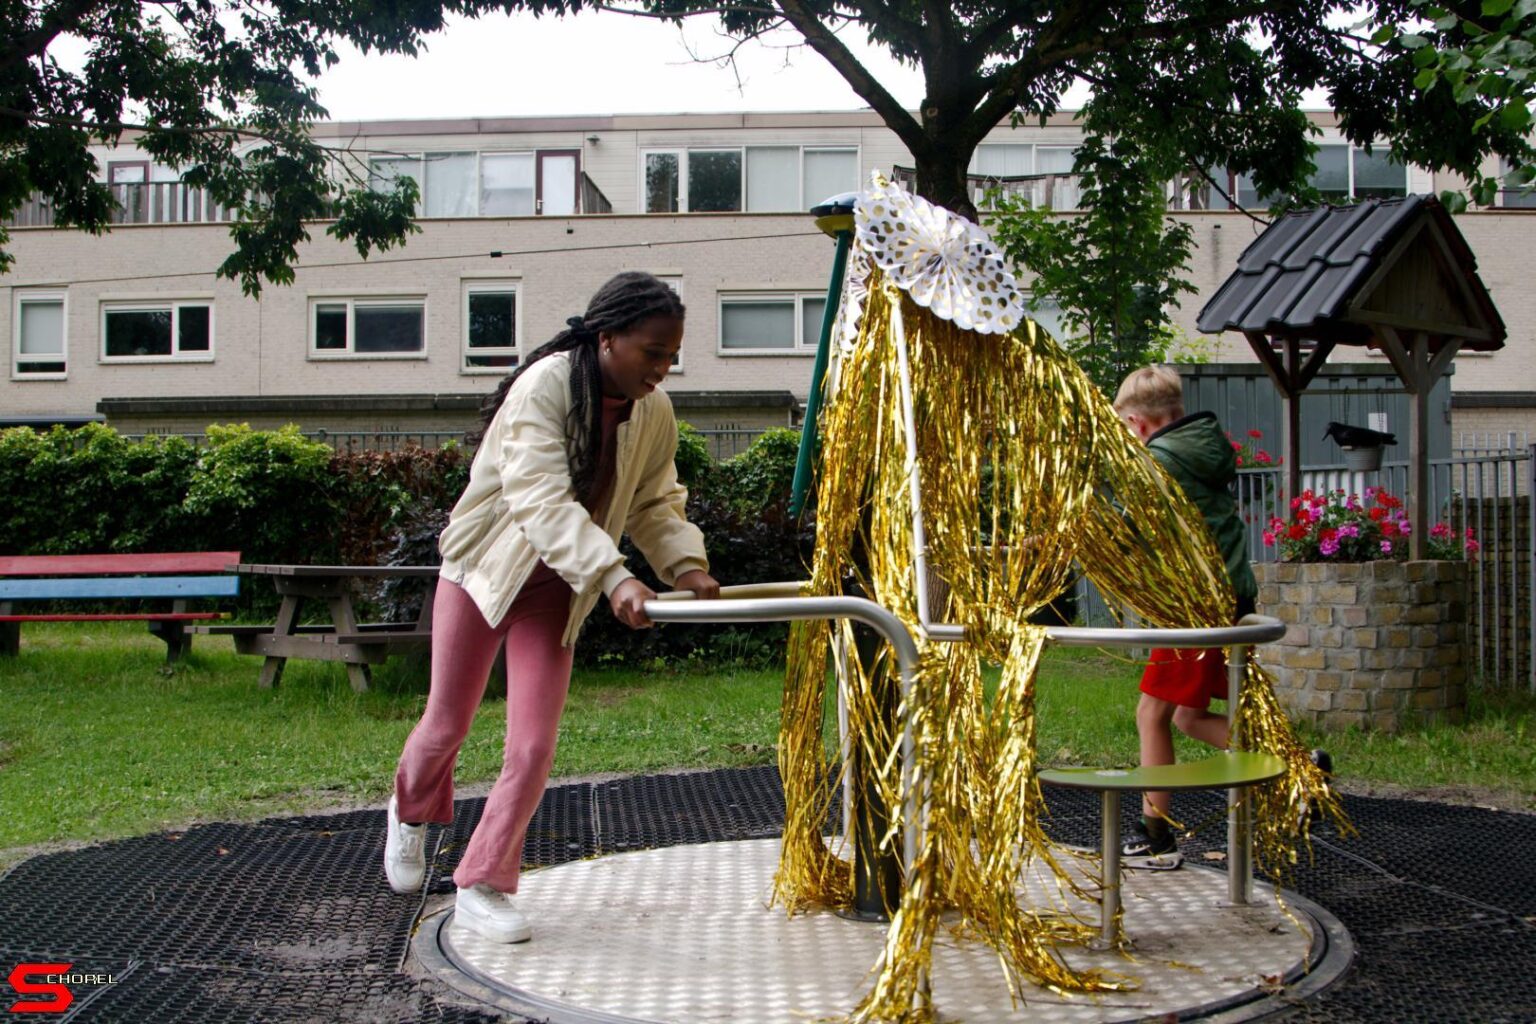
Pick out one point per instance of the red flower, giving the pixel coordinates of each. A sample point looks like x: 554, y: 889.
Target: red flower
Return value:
x: 1255, y: 434
x: 1297, y: 532
x: 1327, y: 533
x: 1263, y: 457
x: 1378, y: 514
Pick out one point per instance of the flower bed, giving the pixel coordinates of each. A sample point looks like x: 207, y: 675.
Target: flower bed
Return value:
x: 1373, y: 640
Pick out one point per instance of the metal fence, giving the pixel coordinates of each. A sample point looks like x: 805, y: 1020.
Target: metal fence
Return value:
x: 1488, y: 489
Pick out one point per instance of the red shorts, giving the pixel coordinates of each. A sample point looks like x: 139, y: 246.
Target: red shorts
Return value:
x: 1189, y: 678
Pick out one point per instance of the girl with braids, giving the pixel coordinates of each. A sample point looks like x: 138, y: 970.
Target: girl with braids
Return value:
x: 576, y: 449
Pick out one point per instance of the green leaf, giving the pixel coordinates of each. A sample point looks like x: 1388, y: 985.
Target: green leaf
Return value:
x: 1424, y: 57
x: 1425, y: 78
x: 1495, y: 8
x: 1383, y: 34
x: 1515, y: 116
x: 1413, y: 41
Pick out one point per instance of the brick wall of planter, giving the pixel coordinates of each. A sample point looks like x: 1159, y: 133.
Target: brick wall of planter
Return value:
x: 1377, y: 645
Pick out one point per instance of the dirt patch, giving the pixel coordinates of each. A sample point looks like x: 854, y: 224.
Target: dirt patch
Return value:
x: 611, y: 696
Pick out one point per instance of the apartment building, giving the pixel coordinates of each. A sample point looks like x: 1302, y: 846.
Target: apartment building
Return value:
x: 522, y: 218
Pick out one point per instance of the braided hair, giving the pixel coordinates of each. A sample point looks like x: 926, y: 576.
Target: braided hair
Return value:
x: 623, y: 302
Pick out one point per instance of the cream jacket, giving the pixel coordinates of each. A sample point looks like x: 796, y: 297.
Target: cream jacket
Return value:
x: 520, y: 505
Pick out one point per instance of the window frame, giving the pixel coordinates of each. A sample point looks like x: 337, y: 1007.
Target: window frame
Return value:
x: 23, y: 296
x: 156, y: 305
x: 676, y: 283
x: 683, y: 154
x: 472, y: 286
x: 800, y: 348
x: 351, y: 300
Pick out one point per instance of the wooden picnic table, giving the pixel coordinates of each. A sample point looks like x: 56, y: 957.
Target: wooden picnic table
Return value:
x: 343, y: 639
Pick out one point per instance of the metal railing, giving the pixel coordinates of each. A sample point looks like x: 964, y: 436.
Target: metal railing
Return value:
x: 728, y: 442
x: 1489, y: 491
x: 1057, y: 191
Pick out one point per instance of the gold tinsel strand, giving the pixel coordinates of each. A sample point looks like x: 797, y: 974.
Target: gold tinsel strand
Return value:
x: 1012, y: 418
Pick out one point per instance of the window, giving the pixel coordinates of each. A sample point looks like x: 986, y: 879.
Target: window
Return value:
x: 506, y: 184
x: 157, y: 331
x: 449, y: 189
x: 490, y: 326
x: 486, y: 184
x: 1056, y: 185
x: 376, y: 328
x: 757, y: 179
x: 771, y: 322
x: 38, y: 349
x: 676, y: 284
x: 1515, y: 192
x: 1344, y: 174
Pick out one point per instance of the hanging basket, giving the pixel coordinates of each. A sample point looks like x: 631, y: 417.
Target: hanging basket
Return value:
x: 1362, y: 460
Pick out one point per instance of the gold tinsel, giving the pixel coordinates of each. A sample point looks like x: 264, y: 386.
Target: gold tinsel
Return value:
x: 1068, y: 484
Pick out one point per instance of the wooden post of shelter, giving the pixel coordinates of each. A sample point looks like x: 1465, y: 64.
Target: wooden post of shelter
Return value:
x: 1393, y: 275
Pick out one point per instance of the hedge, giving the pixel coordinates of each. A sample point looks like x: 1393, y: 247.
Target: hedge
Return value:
x: 277, y: 496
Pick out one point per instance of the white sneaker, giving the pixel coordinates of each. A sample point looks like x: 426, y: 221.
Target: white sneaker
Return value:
x: 405, y: 858
x: 491, y: 914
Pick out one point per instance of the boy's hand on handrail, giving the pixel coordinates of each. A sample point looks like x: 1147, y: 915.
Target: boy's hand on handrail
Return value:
x: 628, y: 603
x: 701, y: 583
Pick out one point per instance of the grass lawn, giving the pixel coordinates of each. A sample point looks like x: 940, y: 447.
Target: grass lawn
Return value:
x: 98, y: 739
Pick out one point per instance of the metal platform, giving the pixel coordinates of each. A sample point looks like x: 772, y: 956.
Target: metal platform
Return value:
x: 685, y: 935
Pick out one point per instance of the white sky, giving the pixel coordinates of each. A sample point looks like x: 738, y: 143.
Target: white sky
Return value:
x: 595, y: 63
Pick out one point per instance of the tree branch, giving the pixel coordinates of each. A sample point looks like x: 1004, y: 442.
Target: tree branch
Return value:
x: 66, y: 17
x: 1012, y: 80
x: 825, y: 42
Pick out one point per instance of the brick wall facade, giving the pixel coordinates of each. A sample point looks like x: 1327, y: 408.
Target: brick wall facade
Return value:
x: 1378, y: 645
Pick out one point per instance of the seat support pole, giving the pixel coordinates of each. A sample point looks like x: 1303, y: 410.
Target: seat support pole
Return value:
x: 1109, y: 872
x: 1240, y: 807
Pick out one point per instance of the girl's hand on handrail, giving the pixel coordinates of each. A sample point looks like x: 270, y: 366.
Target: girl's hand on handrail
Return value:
x: 701, y: 583
x: 628, y: 603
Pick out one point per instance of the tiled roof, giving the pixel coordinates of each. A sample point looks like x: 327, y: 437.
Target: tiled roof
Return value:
x: 1300, y: 276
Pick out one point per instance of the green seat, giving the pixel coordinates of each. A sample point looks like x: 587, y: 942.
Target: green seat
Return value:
x: 1223, y: 771
x: 1231, y: 770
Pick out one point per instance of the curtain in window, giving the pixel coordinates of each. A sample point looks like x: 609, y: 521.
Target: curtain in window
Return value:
x: 829, y: 172
x: 749, y: 325
x: 506, y: 185
x: 773, y: 178
x: 450, y: 185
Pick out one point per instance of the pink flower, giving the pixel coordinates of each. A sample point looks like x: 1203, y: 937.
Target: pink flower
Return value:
x: 1328, y: 547
x: 1269, y: 539
x: 1473, y: 547
x: 1386, y: 547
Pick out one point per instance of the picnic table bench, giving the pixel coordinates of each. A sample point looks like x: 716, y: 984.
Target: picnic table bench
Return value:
x: 343, y: 638
x: 175, y: 576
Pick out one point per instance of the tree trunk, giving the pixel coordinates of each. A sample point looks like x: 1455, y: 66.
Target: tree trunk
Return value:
x: 941, y: 179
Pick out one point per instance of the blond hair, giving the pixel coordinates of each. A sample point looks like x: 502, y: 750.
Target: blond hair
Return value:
x: 1156, y: 392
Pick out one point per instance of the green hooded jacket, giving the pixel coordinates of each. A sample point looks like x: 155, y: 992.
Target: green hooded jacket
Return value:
x: 1197, y: 454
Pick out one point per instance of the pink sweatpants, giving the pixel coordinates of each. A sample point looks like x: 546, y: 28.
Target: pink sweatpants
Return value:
x: 538, y: 675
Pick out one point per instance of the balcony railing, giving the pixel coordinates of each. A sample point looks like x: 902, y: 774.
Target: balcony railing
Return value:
x: 156, y: 202
x: 172, y: 202
x: 1057, y: 191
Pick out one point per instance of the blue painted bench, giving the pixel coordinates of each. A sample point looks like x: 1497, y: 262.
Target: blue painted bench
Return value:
x: 177, y: 577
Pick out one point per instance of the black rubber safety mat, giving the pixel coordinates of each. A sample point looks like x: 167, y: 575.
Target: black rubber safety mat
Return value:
x: 290, y: 919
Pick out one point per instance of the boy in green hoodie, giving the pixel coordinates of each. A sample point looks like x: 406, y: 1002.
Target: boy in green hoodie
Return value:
x: 1178, y: 686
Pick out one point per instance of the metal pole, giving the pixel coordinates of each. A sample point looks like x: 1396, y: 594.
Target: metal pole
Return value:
x: 1109, y: 877
x: 1530, y: 557
x: 741, y: 604
x: 1239, y: 830
x: 807, y: 454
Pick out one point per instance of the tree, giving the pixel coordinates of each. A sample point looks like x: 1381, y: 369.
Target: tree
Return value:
x: 214, y: 87
x: 1484, y: 51
x: 1116, y: 269
x: 1218, y: 83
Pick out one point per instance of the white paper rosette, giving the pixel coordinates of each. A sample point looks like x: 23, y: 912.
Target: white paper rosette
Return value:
x: 945, y: 262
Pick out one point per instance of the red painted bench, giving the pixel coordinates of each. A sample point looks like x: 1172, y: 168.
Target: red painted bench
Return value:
x: 174, y: 576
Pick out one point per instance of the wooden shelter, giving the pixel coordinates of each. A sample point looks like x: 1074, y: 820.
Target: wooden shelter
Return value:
x: 1393, y: 275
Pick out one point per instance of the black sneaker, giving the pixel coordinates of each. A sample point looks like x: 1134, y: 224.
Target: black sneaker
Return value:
x: 1152, y: 849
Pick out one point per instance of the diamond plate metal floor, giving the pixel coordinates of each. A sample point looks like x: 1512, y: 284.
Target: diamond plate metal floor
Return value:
x: 684, y: 935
